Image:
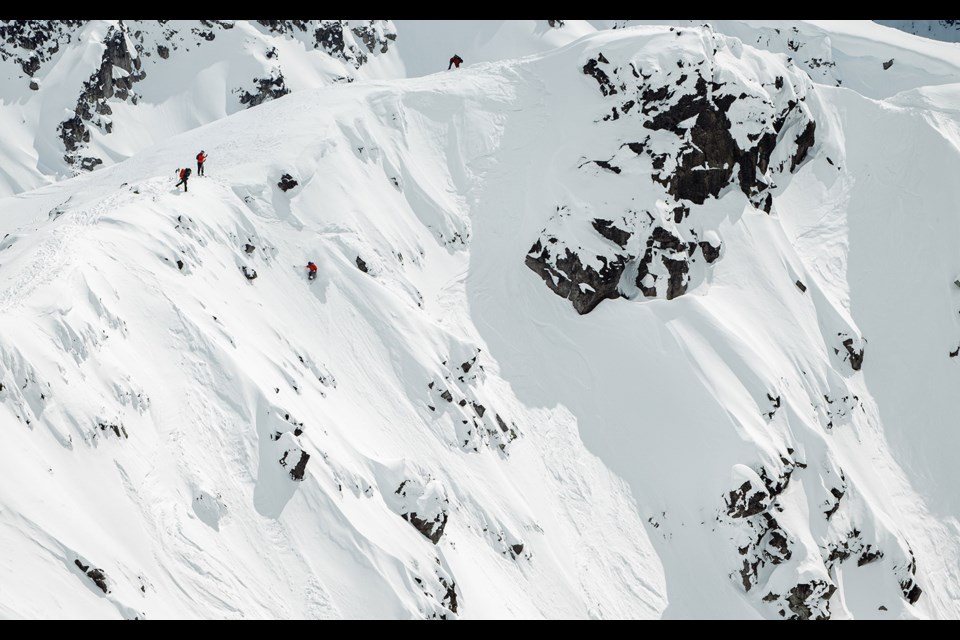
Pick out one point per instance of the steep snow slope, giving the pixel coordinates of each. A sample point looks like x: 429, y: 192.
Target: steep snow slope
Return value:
x: 171, y: 397
x: 414, y: 433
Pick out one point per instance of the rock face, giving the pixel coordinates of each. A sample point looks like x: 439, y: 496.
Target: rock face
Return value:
x: 287, y: 182
x: 120, y: 69
x: 33, y: 42
x: 767, y: 552
x: 709, y: 123
x: 584, y: 285
x: 96, y: 575
x: 422, y: 502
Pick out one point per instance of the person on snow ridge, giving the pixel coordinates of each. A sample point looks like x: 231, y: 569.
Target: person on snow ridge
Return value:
x: 312, y: 271
x: 455, y: 61
x: 184, y: 174
x: 201, y: 158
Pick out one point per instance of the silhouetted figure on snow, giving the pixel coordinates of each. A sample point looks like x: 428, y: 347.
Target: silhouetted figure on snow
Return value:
x: 455, y: 61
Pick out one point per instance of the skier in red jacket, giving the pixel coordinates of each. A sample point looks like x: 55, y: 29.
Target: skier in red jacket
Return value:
x: 184, y: 174
x: 201, y: 158
x: 312, y: 271
x: 455, y: 61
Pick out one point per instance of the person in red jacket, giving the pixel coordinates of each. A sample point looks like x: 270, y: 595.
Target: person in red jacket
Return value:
x: 184, y: 174
x: 311, y: 271
x: 201, y: 158
x: 455, y: 61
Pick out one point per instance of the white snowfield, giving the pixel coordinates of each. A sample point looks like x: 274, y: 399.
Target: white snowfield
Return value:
x: 192, y: 429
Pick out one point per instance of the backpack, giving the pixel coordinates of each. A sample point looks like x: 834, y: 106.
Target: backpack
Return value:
x: 186, y: 173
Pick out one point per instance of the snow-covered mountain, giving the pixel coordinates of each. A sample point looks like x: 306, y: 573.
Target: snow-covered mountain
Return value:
x: 946, y: 30
x: 618, y: 320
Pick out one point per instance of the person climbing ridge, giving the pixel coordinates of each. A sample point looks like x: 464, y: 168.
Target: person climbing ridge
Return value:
x: 312, y: 271
x: 184, y: 174
x: 201, y: 158
x: 455, y: 61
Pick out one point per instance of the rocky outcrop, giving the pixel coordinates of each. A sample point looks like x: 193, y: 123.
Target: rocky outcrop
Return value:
x: 287, y: 182
x: 97, y: 576
x: 298, y: 468
x: 423, y: 503
x: 351, y: 41
x: 269, y: 88
x: 120, y: 69
x: 585, y: 285
x: 709, y: 151
x: 31, y: 43
x: 709, y: 125
x: 476, y: 421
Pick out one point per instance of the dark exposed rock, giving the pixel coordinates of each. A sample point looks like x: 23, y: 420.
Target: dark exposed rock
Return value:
x: 569, y: 278
x: 746, y: 501
x: 869, y: 556
x: 88, y: 164
x: 180, y: 264
x: 611, y: 232
x: 118, y: 429
x: 329, y: 37
x: 801, y: 286
x: 30, y: 43
x: 478, y: 408
x: 888, y: 64
x: 592, y: 68
x: 287, y: 182
x: 509, y: 431
x: 163, y: 52
x: 265, y: 89
x: 955, y: 352
x: 96, y: 575
x: 298, y: 470
x: 811, y: 599
x: 446, y: 395
x: 119, y: 70
x: 803, y: 142
x: 838, y: 494
x: 249, y: 248
x: 555, y: 23
x: 516, y: 549
x: 661, y: 238
x: 249, y: 273
x: 710, y: 252
x: 362, y: 265
x: 856, y: 357
x: 914, y: 594
x: 706, y: 166
x: 431, y: 529
x: 677, y: 284
x: 603, y: 164
x: 450, y: 597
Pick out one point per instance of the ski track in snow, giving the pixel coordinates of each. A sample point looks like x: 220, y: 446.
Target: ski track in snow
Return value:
x: 54, y: 256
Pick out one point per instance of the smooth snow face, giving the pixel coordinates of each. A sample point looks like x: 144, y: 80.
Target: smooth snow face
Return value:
x: 427, y: 429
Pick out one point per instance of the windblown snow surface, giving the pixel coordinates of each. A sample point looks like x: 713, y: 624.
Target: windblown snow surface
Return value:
x: 740, y: 405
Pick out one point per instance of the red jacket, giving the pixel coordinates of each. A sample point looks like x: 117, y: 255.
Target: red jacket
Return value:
x: 201, y: 158
x: 312, y: 267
